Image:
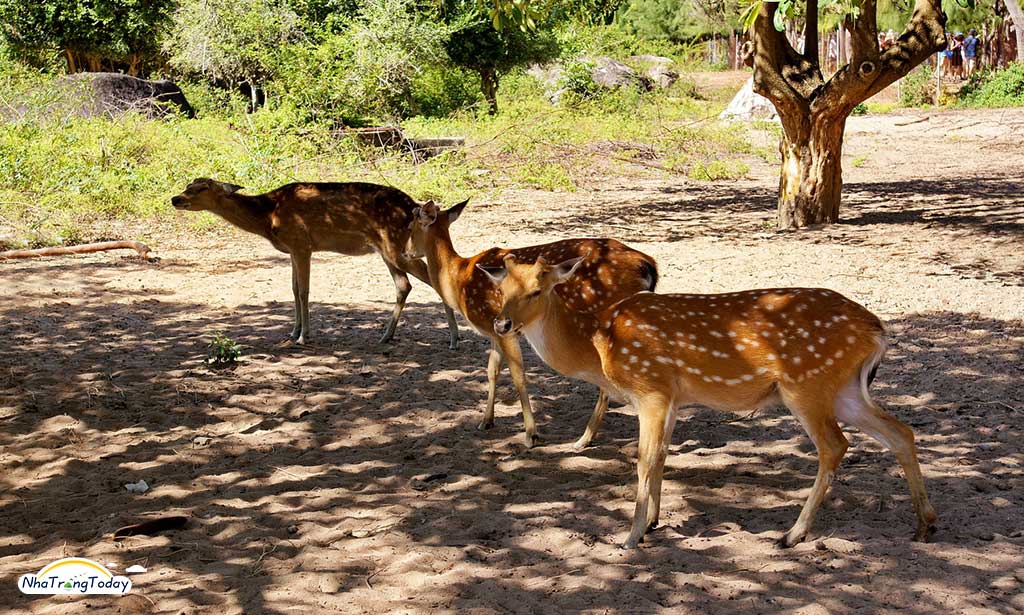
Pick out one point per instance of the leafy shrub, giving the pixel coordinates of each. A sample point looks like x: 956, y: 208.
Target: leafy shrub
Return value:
x: 578, y: 81
x: 222, y: 351
x: 859, y: 109
x: 367, y: 73
x: 1000, y: 88
x: 918, y: 87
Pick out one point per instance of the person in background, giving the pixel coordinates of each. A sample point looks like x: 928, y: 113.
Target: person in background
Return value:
x: 957, y: 60
x: 946, y: 57
x: 970, y: 48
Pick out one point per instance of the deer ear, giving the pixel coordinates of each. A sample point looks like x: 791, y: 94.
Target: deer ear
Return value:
x: 229, y: 188
x: 496, y: 274
x: 456, y: 211
x: 565, y: 269
x: 426, y: 214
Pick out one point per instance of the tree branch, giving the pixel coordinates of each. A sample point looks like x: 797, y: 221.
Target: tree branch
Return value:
x: 781, y: 74
x: 811, y: 32
x: 871, y: 71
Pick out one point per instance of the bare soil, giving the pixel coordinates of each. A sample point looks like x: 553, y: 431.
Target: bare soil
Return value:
x: 304, y: 469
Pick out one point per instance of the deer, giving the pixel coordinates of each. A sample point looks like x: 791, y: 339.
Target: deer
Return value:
x: 609, y: 270
x: 810, y: 349
x: 301, y: 218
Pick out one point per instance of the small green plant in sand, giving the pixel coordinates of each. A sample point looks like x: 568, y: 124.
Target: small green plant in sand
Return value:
x: 222, y: 352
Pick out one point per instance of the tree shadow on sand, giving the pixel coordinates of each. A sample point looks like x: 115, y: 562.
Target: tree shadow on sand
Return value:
x: 349, y: 476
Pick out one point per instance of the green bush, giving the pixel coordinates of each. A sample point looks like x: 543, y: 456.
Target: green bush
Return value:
x: 999, y: 88
x: 578, y: 81
x: 918, y: 87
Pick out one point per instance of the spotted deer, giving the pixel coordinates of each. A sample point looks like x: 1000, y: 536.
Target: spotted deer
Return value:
x: 608, y: 271
x: 812, y: 350
x: 299, y: 219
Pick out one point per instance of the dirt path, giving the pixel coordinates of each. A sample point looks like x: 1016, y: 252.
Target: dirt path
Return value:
x: 299, y: 468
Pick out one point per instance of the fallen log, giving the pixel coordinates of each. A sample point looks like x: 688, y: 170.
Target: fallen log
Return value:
x: 85, y: 248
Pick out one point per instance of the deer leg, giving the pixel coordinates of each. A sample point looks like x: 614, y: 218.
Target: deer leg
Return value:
x: 514, y: 356
x: 493, y: 369
x: 302, y: 270
x: 402, y: 288
x: 418, y: 269
x: 820, y: 424
x: 594, y: 424
x: 658, y: 470
x: 862, y: 412
x: 297, y: 327
x: 653, y: 413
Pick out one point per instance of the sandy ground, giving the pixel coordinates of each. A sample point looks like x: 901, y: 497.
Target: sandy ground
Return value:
x: 302, y: 469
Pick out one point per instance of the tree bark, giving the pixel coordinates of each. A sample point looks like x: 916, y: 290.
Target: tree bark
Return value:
x: 1017, y: 15
x: 489, y: 86
x: 813, y: 110
x: 811, y: 182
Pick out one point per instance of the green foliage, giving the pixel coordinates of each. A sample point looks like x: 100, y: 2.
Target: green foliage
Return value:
x: 918, y: 87
x: 222, y: 351
x: 87, y: 30
x: 999, y: 88
x: 578, y: 81
x: 680, y: 21
x: 384, y: 66
x: 232, y: 41
x: 478, y: 46
x: 859, y: 109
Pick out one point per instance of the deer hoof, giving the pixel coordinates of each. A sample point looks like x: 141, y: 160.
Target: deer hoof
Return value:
x: 530, y: 440
x: 485, y: 425
x: 579, y: 445
x: 924, y: 533
x: 792, y: 539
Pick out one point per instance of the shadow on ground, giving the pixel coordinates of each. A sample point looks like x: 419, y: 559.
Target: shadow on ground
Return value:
x: 348, y: 475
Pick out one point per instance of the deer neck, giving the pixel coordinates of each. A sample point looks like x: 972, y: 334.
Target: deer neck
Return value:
x: 564, y: 339
x: 248, y: 213
x: 444, y: 265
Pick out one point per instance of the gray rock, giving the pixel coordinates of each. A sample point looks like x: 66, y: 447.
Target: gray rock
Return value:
x: 609, y: 73
x: 112, y: 94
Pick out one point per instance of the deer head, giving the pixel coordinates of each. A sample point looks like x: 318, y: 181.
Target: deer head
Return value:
x: 526, y: 289
x: 203, y: 195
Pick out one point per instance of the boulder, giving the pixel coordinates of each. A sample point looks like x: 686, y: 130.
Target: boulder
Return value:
x: 609, y: 73
x: 658, y: 69
x: 749, y: 105
x: 112, y: 94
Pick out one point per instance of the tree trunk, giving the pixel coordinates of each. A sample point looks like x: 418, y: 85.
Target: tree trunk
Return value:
x: 811, y: 182
x: 1017, y: 15
x: 489, y: 86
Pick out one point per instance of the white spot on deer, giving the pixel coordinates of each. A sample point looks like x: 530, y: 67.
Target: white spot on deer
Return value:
x: 706, y: 379
x: 839, y: 354
x: 817, y: 323
x: 714, y: 334
x: 680, y: 363
x: 747, y: 377
x: 665, y: 360
x: 637, y: 344
x: 770, y: 357
x: 797, y: 360
x: 811, y: 348
x: 624, y: 350
x: 732, y: 381
x: 633, y: 358
x: 828, y: 361
x: 851, y: 339
x: 762, y: 370
x: 647, y: 363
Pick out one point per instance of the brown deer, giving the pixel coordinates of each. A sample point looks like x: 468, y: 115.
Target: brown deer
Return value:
x: 302, y: 218
x: 608, y: 272
x: 813, y: 350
